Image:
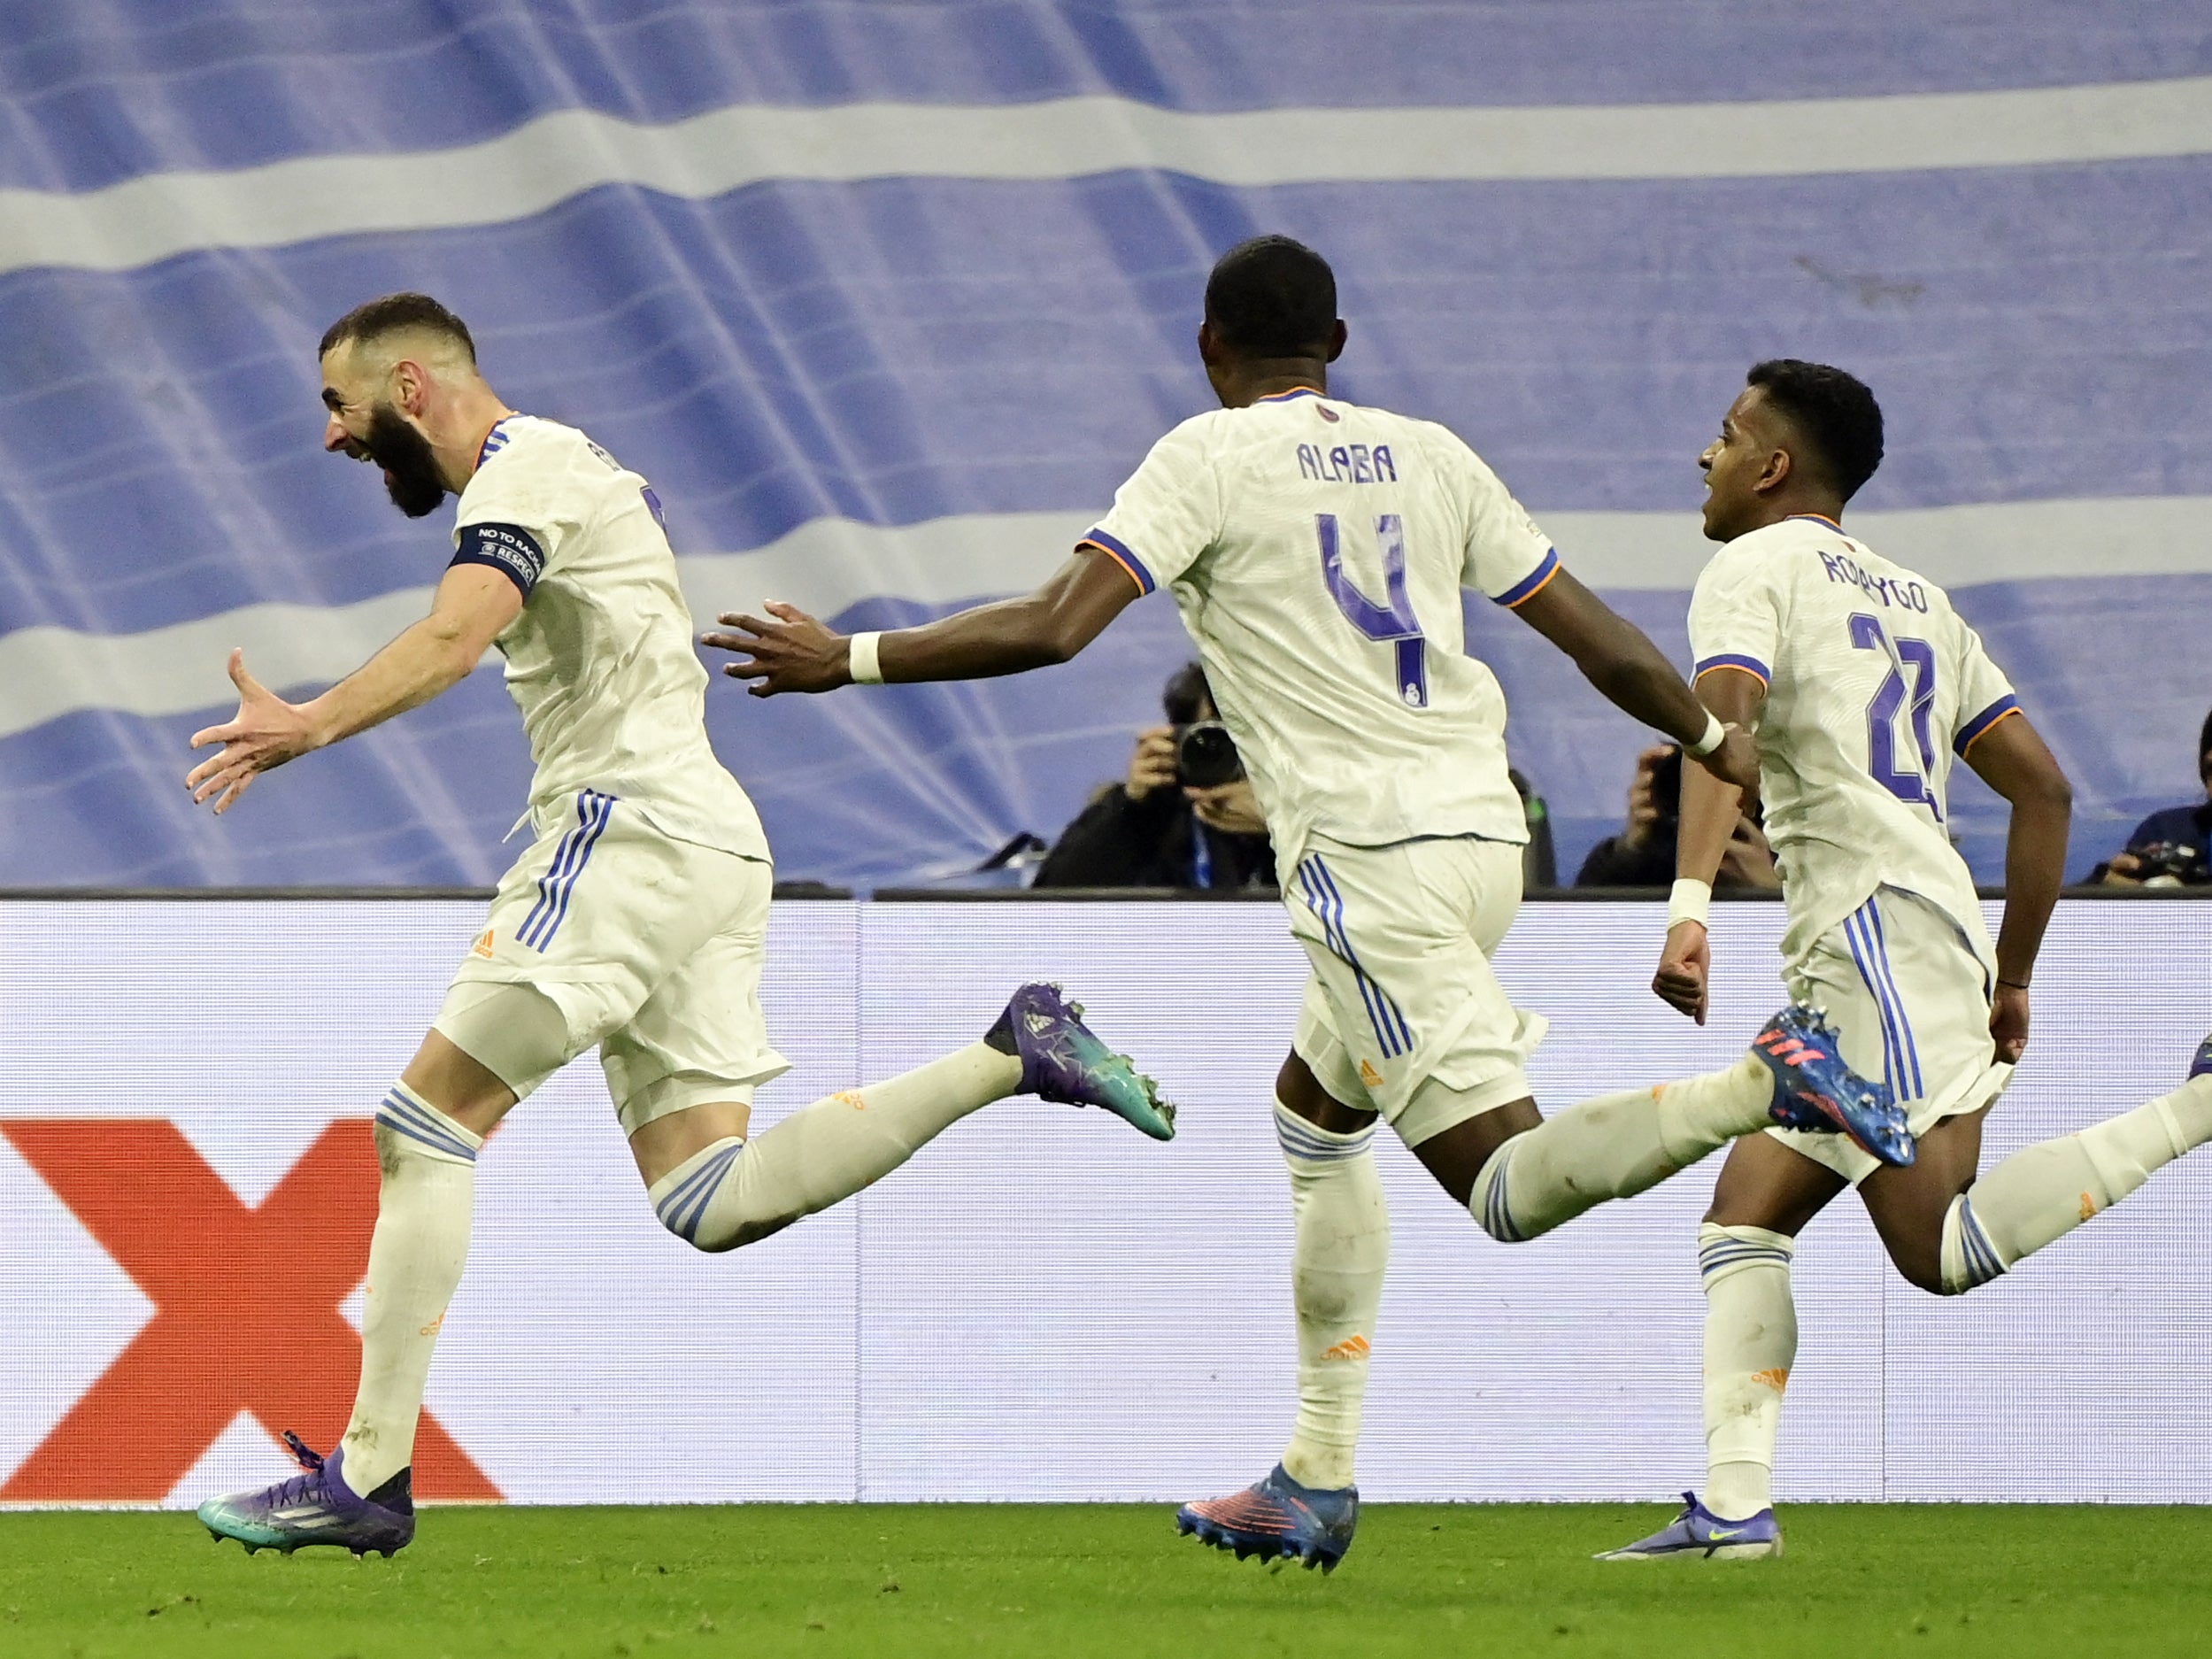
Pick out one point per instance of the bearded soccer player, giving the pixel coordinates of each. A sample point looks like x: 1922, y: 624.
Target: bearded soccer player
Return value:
x: 1862, y: 683
x: 1317, y: 550
x: 635, y: 921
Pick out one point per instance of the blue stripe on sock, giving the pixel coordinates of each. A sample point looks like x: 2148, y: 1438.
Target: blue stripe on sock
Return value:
x: 424, y: 1122
x: 682, y: 1208
x: 1497, y: 1213
x: 1298, y: 1140
x: 1983, y: 1263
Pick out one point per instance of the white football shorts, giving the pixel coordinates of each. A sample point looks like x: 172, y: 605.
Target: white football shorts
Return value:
x: 1911, y: 997
x: 1402, y: 993
x: 649, y: 946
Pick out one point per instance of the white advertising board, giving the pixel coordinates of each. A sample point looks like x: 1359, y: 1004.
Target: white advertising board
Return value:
x: 1042, y: 1304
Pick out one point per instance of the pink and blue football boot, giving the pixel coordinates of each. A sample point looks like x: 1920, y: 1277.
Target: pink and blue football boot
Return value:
x: 1277, y: 1520
x: 1814, y: 1089
x: 316, y: 1507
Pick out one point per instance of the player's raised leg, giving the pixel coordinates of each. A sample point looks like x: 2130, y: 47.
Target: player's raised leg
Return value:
x: 716, y: 1190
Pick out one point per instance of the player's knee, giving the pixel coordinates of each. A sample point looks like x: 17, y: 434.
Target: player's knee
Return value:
x: 1923, y: 1271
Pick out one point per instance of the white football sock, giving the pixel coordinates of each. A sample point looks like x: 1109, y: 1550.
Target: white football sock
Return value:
x: 415, y: 1259
x: 2043, y: 1192
x: 735, y: 1191
x: 1343, y: 1247
x: 1616, y: 1147
x: 1750, y: 1345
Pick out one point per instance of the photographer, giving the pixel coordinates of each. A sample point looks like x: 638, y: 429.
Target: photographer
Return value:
x: 1185, y: 816
x: 1643, y: 854
x: 2172, y: 848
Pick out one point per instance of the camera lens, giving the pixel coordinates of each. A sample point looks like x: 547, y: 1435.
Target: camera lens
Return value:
x: 1205, y: 756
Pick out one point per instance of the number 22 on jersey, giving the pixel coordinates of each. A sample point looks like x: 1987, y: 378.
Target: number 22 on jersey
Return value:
x: 1390, y: 623
x: 1910, y: 785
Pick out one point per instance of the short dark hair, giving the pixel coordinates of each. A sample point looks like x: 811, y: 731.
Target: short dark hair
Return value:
x: 2204, y: 742
x: 1272, y: 297
x: 1186, y: 690
x: 388, y: 314
x: 1831, y: 410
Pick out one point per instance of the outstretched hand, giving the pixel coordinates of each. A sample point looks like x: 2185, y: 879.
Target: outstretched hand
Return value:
x: 1736, y: 762
x: 1685, y: 969
x: 794, y: 652
x: 268, y: 732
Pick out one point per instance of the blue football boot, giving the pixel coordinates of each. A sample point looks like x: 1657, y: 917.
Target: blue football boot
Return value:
x: 1698, y: 1534
x: 1277, y: 1520
x: 1063, y: 1060
x: 2201, y: 1066
x: 316, y: 1507
x: 1815, y: 1090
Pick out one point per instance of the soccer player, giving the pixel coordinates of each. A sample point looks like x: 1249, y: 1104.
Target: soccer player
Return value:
x: 636, y: 920
x: 1861, y: 683
x: 1318, y: 551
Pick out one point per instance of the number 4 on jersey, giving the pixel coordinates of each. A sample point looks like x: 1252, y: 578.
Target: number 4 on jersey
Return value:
x: 1909, y: 787
x: 1393, y: 623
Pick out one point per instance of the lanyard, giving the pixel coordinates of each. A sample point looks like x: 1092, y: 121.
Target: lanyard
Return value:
x: 1201, y: 854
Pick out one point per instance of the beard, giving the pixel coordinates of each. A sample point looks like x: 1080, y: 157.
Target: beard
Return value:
x: 410, y: 468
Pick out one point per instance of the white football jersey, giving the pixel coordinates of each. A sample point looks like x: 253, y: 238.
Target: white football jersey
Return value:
x: 1317, y: 550
x: 1873, y: 684
x: 600, y: 659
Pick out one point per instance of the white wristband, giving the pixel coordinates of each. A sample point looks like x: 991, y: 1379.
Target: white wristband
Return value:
x: 1715, y: 735
x: 1689, y: 901
x: 860, y: 659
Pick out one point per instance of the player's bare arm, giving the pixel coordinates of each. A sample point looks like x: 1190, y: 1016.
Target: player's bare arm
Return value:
x: 1711, y: 809
x: 2012, y: 758
x: 790, y: 651
x: 1620, y: 660
x: 473, y: 604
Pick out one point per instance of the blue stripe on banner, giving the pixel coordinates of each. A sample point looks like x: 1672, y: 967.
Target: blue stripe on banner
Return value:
x: 109, y: 92
x: 1897, y: 999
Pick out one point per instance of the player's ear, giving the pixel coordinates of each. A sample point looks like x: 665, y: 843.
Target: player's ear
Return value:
x: 1338, y: 335
x: 1780, y: 465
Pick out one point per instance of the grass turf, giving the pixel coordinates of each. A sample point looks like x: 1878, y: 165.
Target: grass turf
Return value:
x: 823, y: 1580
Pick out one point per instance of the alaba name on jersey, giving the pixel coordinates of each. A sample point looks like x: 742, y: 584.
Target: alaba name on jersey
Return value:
x: 599, y: 660
x: 1874, y: 683
x: 1317, y: 550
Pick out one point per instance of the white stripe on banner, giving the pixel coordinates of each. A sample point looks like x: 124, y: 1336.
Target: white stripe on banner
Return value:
x: 830, y: 564
x: 548, y: 161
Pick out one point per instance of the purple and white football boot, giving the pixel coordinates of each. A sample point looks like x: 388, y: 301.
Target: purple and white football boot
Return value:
x: 316, y: 1507
x: 1698, y: 1534
x: 1063, y: 1061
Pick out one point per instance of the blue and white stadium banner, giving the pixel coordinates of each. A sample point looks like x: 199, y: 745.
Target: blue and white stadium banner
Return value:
x: 886, y: 298
x: 1042, y: 1304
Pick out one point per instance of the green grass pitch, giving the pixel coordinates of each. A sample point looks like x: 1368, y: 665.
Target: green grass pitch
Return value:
x: 1426, y: 1580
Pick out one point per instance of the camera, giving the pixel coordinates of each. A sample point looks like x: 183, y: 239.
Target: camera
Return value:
x: 2166, y: 864
x: 1206, y: 755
